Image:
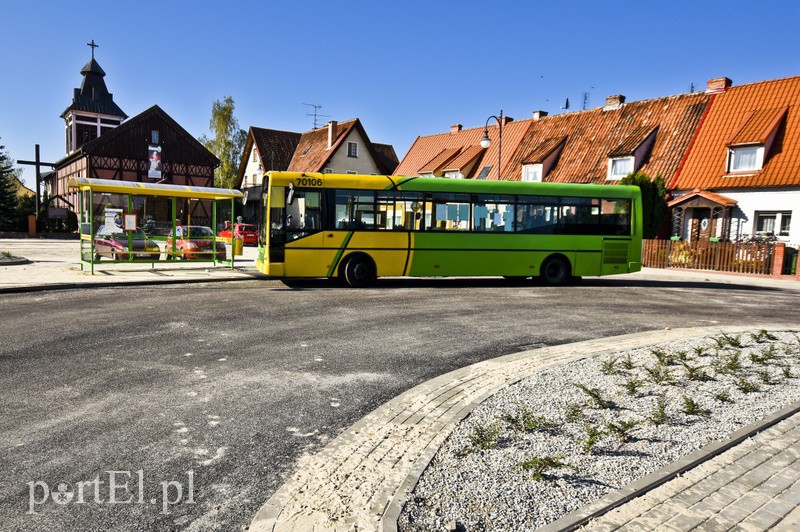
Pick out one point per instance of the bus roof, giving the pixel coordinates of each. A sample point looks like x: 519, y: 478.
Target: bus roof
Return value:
x: 442, y: 184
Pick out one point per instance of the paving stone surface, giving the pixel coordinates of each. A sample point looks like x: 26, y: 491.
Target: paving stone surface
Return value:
x: 357, y: 480
x: 751, y: 487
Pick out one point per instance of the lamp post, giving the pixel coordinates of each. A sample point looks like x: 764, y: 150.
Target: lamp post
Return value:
x: 485, y: 142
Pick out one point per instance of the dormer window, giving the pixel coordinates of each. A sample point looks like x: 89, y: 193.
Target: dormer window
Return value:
x: 619, y: 167
x: 745, y: 158
x: 532, y: 173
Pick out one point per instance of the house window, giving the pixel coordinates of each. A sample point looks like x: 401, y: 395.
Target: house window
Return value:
x: 305, y: 151
x: 352, y: 149
x: 773, y: 223
x: 532, y: 172
x: 454, y: 175
x: 328, y: 171
x: 351, y: 172
x: 154, y: 137
x: 484, y: 172
x: 255, y: 156
x: 620, y: 167
x: 745, y: 158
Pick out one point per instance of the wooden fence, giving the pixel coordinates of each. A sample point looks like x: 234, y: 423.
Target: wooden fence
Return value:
x: 749, y: 257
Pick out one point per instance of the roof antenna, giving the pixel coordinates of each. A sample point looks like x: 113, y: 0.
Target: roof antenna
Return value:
x: 586, y: 96
x: 315, y: 114
x: 566, y: 104
x: 691, y: 87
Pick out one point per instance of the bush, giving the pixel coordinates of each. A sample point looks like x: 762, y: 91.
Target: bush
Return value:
x: 654, y: 203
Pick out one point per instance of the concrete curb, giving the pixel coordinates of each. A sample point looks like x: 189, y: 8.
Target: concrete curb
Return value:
x: 637, y: 488
x: 110, y: 284
x: 15, y: 262
x: 362, y: 477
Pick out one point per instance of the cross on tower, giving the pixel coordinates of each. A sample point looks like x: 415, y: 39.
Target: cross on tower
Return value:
x: 93, y: 46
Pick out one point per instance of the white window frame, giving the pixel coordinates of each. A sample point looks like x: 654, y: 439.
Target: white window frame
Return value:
x: 527, y: 169
x: 255, y: 156
x: 776, y: 229
x: 455, y: 174
x: 355, y: 149
x: 759, y: 158
x: 617, y: 177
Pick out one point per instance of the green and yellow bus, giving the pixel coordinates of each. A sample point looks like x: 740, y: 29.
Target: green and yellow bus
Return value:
x: 361, y: 227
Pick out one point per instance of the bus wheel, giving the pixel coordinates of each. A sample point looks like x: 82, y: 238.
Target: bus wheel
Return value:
x: 359, y: 272
x: 555, y: 270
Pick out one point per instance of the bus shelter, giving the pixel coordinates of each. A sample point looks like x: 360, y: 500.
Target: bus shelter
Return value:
x: 131, y: 222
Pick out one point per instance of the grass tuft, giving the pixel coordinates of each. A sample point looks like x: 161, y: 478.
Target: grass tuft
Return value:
x: 659, y: 414
x: 690, y: 407
x: 745, y: 386
x: 609, y: 367
x: 524, y: 420
x: 632, y: 385
x: 591, y: 438
x: 538, y: 466
x: 621, y: 429
x: 596, y: 397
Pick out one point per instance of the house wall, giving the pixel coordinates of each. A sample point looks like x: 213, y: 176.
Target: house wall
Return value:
x: 251, y: 169
x: 750, y: 201
x: 340, y: 163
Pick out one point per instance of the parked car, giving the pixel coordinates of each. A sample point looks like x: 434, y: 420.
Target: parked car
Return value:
x: 112, y: 242
x: 194, y: 242
x: 247, y: 232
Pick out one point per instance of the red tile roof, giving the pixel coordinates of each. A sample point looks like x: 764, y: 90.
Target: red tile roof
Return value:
x: 538, y: 154
x: 312, y: 151
x: 594, y: 134
x: 275, y: 149
x: 426, y: 148
x: 441, y: 158
x: 707, y: 194
x: 633, y: 141
x: 463, y: 159
x: 757, y: 126
x: 312, y: 154
x: 727, y: 121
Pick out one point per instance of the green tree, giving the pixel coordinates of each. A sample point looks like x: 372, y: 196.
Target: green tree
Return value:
x: 8, y: 189
x: 654, y: 202
x: 227, y: 141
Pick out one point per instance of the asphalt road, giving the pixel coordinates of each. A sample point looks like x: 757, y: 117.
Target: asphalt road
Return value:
x: 234, y: 381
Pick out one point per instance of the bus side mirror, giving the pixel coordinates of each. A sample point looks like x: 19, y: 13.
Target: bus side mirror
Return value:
x: 290, y: 195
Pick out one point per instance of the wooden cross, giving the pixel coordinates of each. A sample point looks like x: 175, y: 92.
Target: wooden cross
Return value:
x: 93, y: 46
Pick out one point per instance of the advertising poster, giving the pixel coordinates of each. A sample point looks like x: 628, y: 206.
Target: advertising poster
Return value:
x: 154, y: 162
x: 112, y: 217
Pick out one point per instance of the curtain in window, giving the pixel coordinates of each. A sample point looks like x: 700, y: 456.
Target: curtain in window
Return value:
x: 744, y: 159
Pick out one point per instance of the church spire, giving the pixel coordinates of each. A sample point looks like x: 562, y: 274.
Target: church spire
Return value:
x: 93, y: 110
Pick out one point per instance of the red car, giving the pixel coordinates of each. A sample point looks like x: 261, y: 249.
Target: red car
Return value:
x: 246, y: 232
x: 112, y: 242
x: 194, y: 242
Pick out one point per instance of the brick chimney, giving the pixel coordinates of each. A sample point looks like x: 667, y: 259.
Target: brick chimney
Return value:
x: 718, y: 85
x: 331, y: 132
x: 538, y: 114
x: 614, y: 102
x: 455, y: 128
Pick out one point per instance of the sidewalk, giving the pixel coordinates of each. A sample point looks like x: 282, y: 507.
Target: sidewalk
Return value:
x: 659, y: 274
x: 361, y: 478
x: 55, y: 264
x: 753, y: 486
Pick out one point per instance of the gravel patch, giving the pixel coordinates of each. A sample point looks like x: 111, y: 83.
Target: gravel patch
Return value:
x: 566, y: 436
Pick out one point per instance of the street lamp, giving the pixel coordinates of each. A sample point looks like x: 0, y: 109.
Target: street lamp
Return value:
x: 485, y: 142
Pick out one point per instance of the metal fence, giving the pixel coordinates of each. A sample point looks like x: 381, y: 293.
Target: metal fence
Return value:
x: 733, y: 257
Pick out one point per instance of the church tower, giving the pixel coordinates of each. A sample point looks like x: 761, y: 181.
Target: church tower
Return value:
x: 93, y: 111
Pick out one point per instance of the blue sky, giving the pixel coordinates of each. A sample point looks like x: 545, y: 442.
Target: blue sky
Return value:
x: 405, y: 68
